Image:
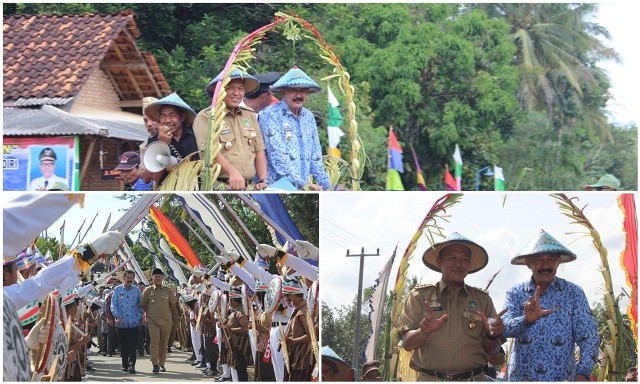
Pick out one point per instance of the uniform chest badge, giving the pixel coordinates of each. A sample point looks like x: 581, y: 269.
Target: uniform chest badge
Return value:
x: 472, y: 325
x: 228, y: 145
x: 473, y: 304
x: 246, y: 122
x: 434, y: 304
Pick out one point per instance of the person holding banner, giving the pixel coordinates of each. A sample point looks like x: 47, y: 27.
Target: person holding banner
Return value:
x: 298, y: 334
x: 237, y: 328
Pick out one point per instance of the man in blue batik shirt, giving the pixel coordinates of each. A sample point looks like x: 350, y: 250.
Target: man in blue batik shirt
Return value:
x: 127, y: 311
x: 291, y: 134
x: 548, y: 316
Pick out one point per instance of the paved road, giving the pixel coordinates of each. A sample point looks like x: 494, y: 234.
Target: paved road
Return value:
x: 109, y: 369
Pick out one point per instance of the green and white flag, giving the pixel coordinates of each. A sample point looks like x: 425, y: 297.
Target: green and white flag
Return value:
x: 333, y: 124
x: 498, y: 178
x: 458, y: 170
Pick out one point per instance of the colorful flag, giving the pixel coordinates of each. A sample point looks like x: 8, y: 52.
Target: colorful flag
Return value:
x: 376, y: 304
x: 174, y: 237
x: 458, y: 171
x: 395, y: 153
x: 333, y: 124
x: 629, y: 257
x: 394, y: 164
x: 498, y: 178
x: 422, y: 185
x: 450, y: 183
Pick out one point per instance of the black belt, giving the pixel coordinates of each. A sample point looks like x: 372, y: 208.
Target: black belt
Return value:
x: 276, y: 323
x: 453, y: 376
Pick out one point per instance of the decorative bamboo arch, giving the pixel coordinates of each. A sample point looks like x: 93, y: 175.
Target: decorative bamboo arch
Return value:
x: 242, y: 54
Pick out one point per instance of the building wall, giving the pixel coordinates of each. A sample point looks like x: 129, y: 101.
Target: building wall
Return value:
x: 112, y: 149
x: 97, y: 93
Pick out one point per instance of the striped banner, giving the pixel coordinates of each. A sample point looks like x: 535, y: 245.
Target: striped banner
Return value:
x: 212, y: 222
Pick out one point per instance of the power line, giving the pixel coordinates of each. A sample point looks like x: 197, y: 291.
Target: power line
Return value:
x: 356, y: 236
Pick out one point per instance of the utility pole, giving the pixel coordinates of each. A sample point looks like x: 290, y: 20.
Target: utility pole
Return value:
x: 356, y: 346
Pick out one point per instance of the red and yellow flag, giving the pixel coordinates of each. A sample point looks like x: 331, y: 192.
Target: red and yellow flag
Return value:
x: 174, y: 237
x: 629, y: 256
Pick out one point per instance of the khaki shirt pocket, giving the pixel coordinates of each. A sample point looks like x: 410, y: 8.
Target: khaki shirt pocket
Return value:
x: 227, y: 138
x: 249, y: 135
x: 472, y: 324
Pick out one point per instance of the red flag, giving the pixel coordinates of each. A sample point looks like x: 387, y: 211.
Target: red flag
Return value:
x: 174, y: 237
x: 629, y: 257
x: 449, y: 182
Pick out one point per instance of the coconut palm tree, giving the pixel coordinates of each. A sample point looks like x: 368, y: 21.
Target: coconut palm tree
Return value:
x: 558, y: 49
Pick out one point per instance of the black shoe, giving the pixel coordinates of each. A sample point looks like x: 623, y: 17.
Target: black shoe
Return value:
x: 147, y: 350
x: 89, y: 368
x: 109, y: 354
x: 194, y: 363
x: 163, y: 369
x: 125, y: 369
x: 169, y: 350
x: 141, y: 354
x: 132, y: 370
x: 223, y: 379
x: 200, y: 366
x: 156, y: 369
x: 209, y: 373
x: 104, y: 353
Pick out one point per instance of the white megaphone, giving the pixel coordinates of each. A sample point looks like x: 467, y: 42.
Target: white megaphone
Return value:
x: 157, y: 157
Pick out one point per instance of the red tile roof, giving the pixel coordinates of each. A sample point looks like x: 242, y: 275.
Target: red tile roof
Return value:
x: 54, y: 55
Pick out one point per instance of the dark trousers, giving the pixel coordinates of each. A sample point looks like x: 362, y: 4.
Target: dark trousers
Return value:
x: 211, y: 352
x: 241, y: 368
x: 112, y: 340
x: 143, y: 340
x: 264, y: 371
x: 128, y: 338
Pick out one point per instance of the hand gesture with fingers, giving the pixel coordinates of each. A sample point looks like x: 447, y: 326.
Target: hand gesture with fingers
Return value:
x: 532, y: 309
x: 493, y: 325
x: 429, y: 323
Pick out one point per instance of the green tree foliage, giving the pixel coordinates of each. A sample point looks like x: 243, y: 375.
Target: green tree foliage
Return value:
x: 49, y: 244
x: 515, y: 85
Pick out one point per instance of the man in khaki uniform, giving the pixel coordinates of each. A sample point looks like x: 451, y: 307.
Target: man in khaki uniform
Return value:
x: 451, y: 328
x: 160, y: 307
x: 243, y: 153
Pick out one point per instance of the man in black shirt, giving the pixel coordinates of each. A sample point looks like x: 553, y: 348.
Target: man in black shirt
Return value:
x: 174, y: 118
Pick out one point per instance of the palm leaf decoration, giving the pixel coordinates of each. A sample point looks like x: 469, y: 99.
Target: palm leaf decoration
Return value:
x: 430, y: 228
x: 614, y: 350
x: 293, y: 28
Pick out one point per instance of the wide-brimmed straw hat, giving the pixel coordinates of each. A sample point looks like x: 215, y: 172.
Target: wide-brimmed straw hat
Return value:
x: 250, y: 82
x: 479, y: 256
x: 345, y: 372
x: 543, y: 244
x: 153, y: 110
x: 295, y: 78
x: 147, y: 101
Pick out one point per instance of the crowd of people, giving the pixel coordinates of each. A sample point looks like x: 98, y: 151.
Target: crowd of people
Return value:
x: 260, y: 313
x: 264, y: 142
